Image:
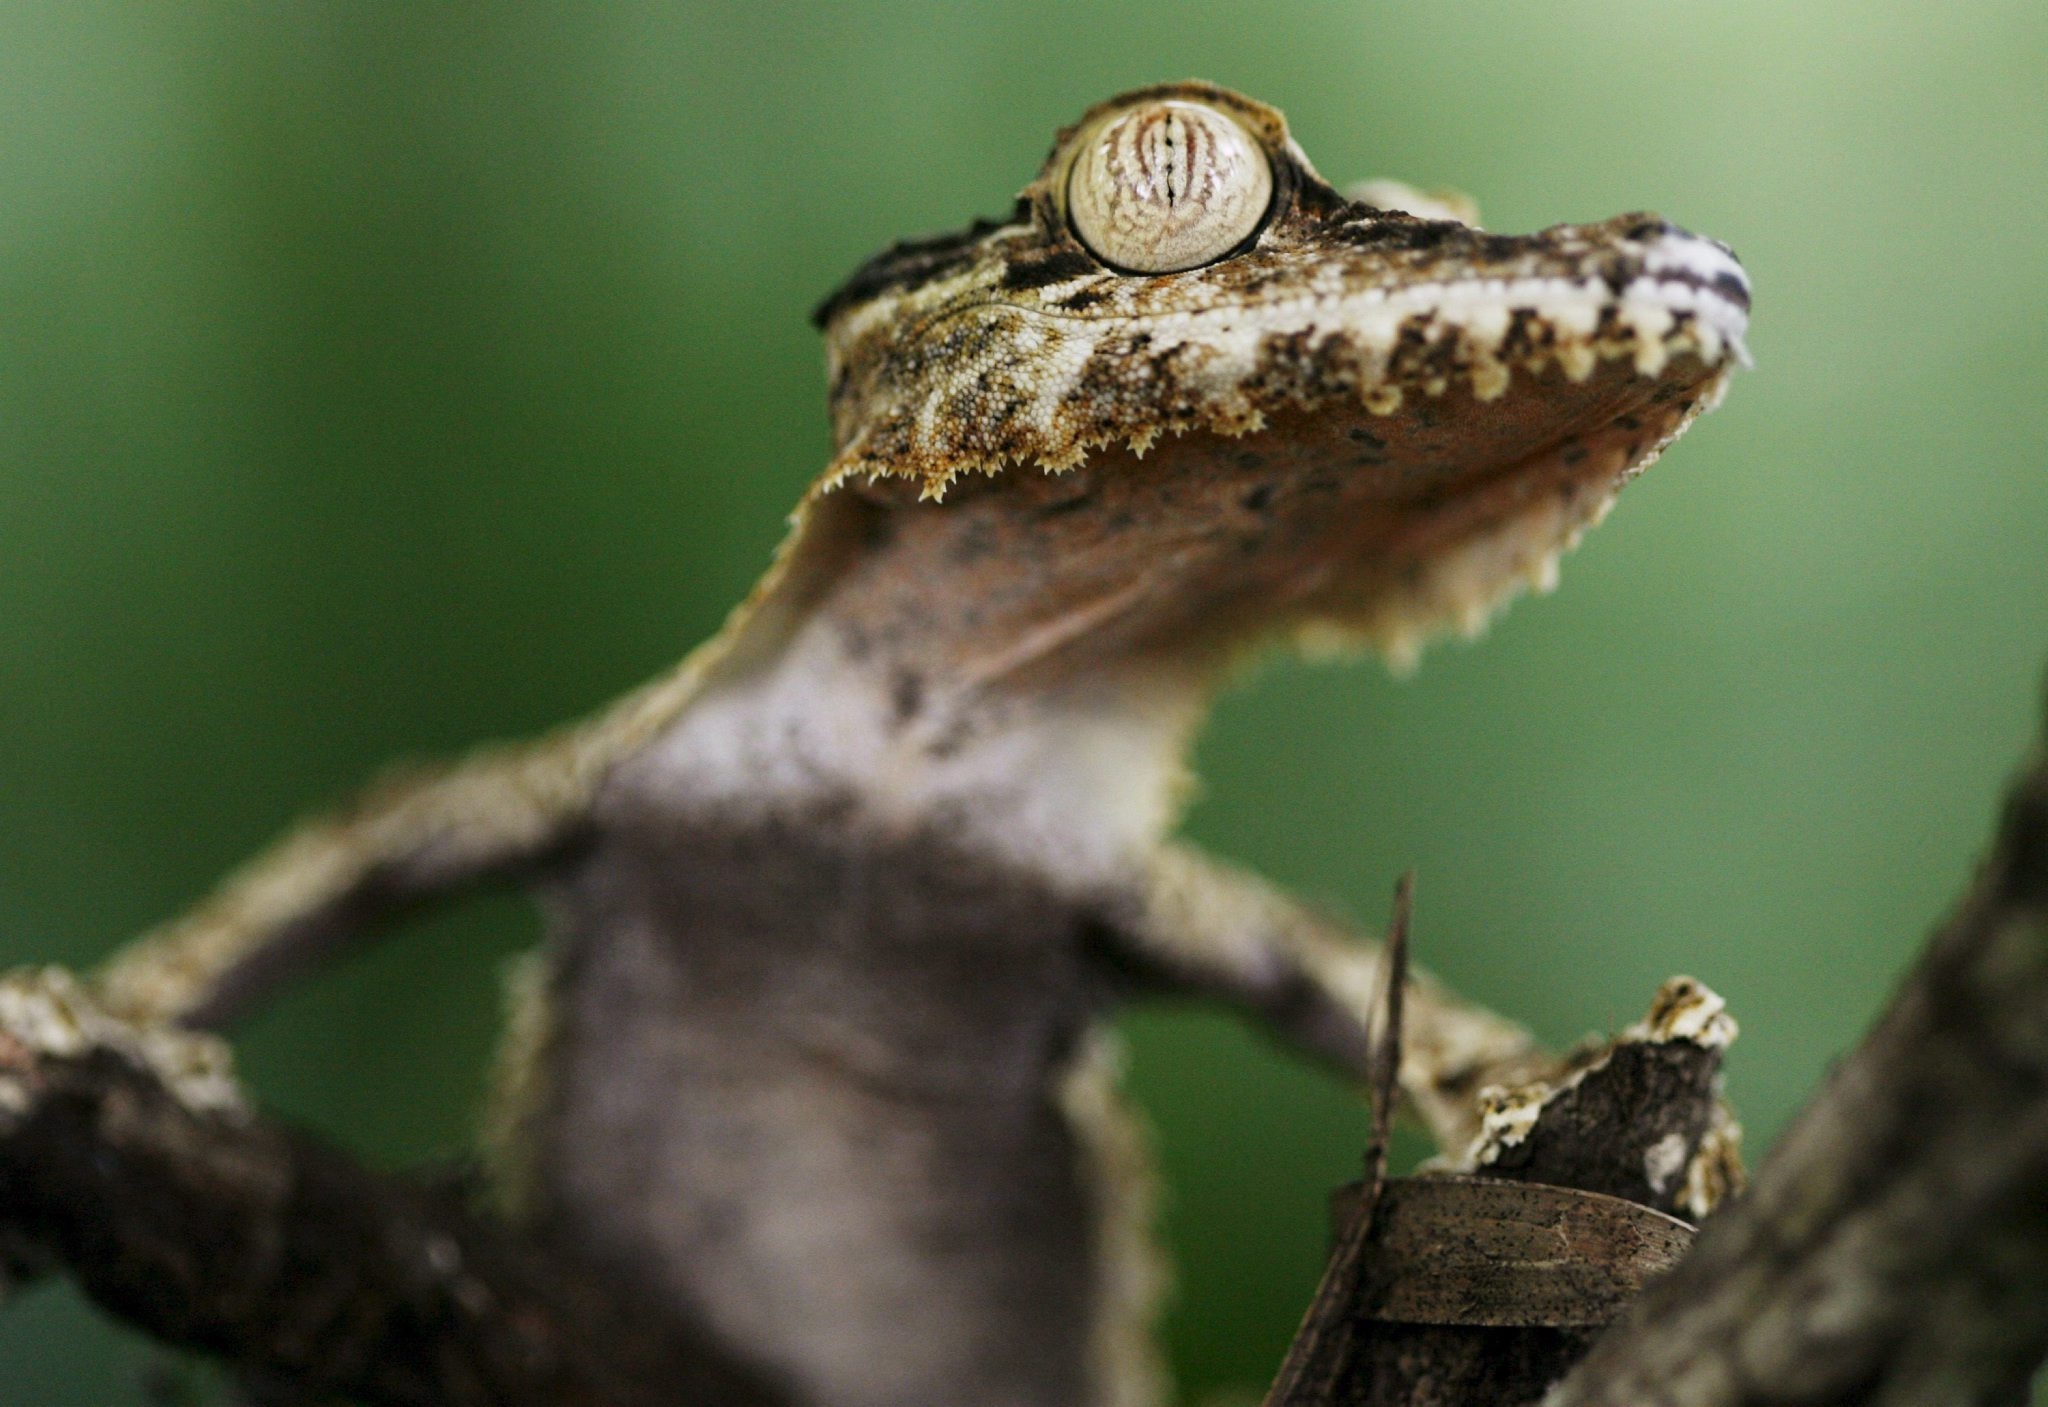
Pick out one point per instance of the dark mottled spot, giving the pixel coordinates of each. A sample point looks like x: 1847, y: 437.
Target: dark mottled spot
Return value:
x: 1083, y: 299
x: 1258, y: 498
x: 958, y: 734
x: 877, y: 529
x: 1499, y: 248
x: 1459, y: 1081
x: 1056, y: 267
x: 1161, y: 363
x: 1075, y: 504
x: 1394, y: 230
x: 1359, y: 435
x: 1315, y: 199
x: 1526, y: 333
x: 1628, y: 422
x: 911, y: 264
x: 1572, y: 454
x: 1250, y: 459
x: 906, y: 695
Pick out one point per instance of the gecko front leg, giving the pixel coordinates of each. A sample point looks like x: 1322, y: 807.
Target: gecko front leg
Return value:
x: 403, y: 842
x: 1193, y: 924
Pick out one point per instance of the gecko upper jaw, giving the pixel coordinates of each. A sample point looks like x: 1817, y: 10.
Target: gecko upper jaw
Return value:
x: 977, y: 378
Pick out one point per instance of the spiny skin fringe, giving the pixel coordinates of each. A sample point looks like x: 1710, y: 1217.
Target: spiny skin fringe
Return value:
x: 1490, y: 383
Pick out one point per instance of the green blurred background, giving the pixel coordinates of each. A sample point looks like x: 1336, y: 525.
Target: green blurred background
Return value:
x: 380, y: 377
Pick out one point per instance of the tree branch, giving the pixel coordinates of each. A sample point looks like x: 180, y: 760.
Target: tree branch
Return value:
x: 1895, y: 1248
x: 1444, y: 1291
x: 1894, y: 1251
x: 128, y: 1159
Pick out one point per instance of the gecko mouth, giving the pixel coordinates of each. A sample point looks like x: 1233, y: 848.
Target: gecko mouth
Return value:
x: 1463, y: 496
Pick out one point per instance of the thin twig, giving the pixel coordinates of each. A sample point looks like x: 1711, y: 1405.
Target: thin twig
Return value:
x: 1324, y: 1343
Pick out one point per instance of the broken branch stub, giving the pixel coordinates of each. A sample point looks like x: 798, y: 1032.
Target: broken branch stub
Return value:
x: 1483, y: 1286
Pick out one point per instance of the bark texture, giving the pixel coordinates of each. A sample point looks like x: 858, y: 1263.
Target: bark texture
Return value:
x: 1484, y: 1289
x: 312, y: 1276
x: 1893, y: 1253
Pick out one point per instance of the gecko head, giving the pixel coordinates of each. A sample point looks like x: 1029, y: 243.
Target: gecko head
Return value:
x: 1288, y: 410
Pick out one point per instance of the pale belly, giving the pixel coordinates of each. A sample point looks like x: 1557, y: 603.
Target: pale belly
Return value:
x: 809, y: 1094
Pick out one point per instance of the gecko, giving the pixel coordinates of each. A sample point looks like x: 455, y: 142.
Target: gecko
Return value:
x: 817, y: 1052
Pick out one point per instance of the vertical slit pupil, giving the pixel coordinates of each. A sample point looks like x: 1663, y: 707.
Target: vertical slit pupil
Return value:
x: 1167, y: 187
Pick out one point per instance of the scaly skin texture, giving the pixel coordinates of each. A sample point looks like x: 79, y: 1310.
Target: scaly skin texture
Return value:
x: 1011, y: 343
x: 816, y: 1054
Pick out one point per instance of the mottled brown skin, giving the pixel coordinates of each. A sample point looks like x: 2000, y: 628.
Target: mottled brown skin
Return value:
x: 815, y: 1056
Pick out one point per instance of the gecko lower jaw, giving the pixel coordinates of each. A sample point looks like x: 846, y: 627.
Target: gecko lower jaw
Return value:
x: 1506, y: 531
x: 1656, y: 351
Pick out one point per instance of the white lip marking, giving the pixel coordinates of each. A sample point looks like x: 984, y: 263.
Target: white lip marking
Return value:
x: 1687, y: 271
x: 1707, y: 259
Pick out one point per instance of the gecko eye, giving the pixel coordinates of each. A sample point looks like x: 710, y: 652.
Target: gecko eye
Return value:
x: 1167, y: 186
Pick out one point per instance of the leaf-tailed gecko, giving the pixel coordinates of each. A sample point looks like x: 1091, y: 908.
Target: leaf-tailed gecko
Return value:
x: 816, y: 1052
